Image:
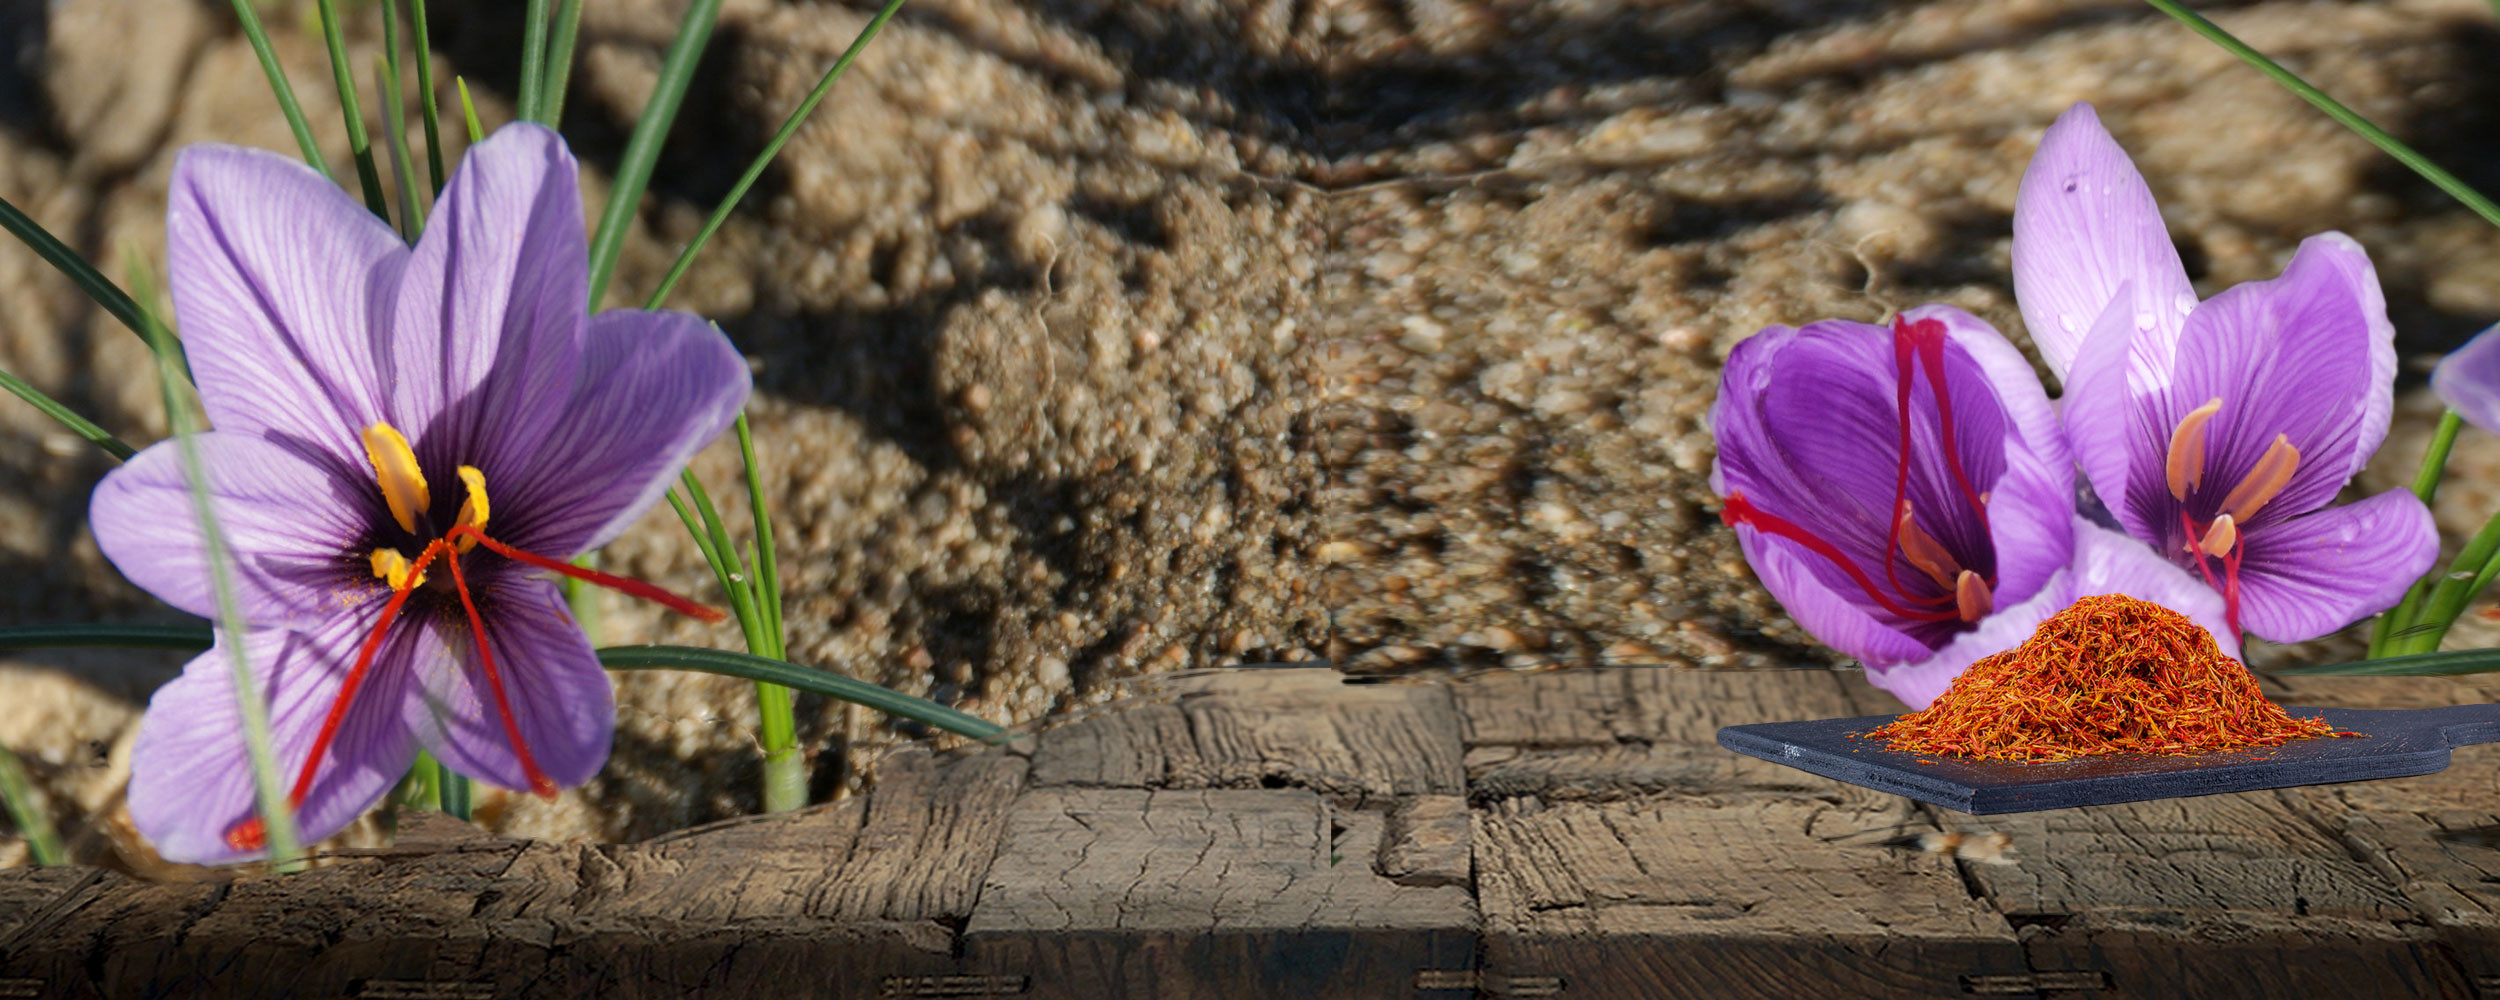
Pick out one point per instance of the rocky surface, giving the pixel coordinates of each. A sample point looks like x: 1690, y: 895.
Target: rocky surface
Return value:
x: 1098, y: 339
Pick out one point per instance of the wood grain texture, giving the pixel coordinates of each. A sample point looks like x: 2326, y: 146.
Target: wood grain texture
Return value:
x: 1305, y: 727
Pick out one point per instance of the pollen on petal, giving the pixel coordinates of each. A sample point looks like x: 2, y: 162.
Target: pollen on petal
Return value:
x: 395, y: 467
x: 391, y: 567
x: 2186, y: 466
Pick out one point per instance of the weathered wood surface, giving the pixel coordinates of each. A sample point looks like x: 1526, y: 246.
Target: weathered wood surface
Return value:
x: 1280, y: 832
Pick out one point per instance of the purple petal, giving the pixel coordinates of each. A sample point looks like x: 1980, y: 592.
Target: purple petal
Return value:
x: 2107, y: 562
x: 2086, y: 228
x: 1835, y: 616
x: 2309, y: 355
x: 2468, y: 380
x: 655, y: 387
x: 2035, y: 497
x: 287, y: 523
x: 190, y: 777
x: 2111, y: 425
x: 487, y: 331
x: 2305, y: 577
x: 281, y: 282
x: 559, y: 694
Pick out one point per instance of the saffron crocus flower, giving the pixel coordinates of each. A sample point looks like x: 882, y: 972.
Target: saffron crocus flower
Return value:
x: 1908, y: 495
x: 2219, y: 432
x: 407, y: 442
x: 2468, y: 380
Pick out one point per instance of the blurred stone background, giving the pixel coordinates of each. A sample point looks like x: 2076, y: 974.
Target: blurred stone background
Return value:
x: 1102, y: 338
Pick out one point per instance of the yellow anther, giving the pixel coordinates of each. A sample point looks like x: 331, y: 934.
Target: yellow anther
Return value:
x: 2224, y: 533
x: 2273, y: 472
x: 2186, y: 466
x: 395, y: 467
x: 392, y: 568
x: 1924, y: 552
x: 1971, y: 597
x: 474, y: 509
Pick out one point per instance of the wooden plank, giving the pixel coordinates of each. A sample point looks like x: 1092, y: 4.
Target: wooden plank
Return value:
x: 1680, y: 898
x: 1632, y: 732
x: 1105, y: 892
x: 1268, y: 727
x: 1430, y: 841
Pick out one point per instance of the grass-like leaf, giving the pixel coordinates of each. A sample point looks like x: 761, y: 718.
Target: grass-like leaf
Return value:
x: 344, y: 78
x: 772, y: 149
x: 17, y: 791
x: 276, y: 814
x: 533, y: 60
x: 786, y: 674
x: 633, y: 169
x: 425, y: 84
x: 395, y: 125
x: 245, y: 12
x: 2405, y: 618
x: 559, y: 74
x: 71, y: 264
x: 67, y: 417
x: 2463, y: 661
x: 181, y: 638
x: 2335, y: 109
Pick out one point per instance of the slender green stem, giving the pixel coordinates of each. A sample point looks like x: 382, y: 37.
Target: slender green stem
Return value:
x: 2454, y: 588
x: 533, y: 59
x: 451, y: 788
x: 344, y: 78
x: 694, y: 529
x: 278, y: 85
x: 826, y: 683
x: 33, y: 821
x: 2334, y: 109
x: 2408, y: 612
x: 276, y: 813
x: 2462, y: 661
x: 69, y: 418
x: 181, y: 638
x: 633, y: 170
x: 73, y: 265
x: 767, y: 566
x: 755, y: 170
x: 403, y: 167
x: 560, y: 62
x: 425, y: 83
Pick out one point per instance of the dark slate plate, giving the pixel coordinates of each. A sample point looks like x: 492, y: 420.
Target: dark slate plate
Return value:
x: 2399, y: 743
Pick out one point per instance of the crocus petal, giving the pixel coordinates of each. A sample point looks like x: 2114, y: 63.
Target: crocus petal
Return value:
x: 2112, y: 428
x: 282, y: 282
x: 2309, y: 355
x: 2108, y: 562
x: 2468, y: 380
x: 488, y: 325
x: 2305, y: 577
x: 2035, y: 497
x: 285, y: 520
x: 655, y: 387
x: 560, y: 696
x: 1834, y: 615
x: 2086, y: 227
x: 190, y: 776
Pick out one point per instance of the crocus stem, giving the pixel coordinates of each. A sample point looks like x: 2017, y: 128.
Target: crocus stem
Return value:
x: 2349, y: 118
x: 533, y: 59
x: 403, y: 167
x: 633, y: 169
x: 246, y: 12
x: 559, y: 62
x: 2454, y: 588
x: 276, y: 814
x: 452, y: 790
x: 358, y: 146
x: 2426, y: 486
x: 33, y: 822
x: 425, y: 84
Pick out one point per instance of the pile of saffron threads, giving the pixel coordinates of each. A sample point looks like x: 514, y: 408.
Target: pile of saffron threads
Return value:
x: 2111, y: 674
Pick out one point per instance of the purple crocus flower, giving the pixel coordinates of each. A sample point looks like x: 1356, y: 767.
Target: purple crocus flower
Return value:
x: 1908, y: 496
x: 2219, y: 432
x: 2468, y: 380
x: 369, y: 399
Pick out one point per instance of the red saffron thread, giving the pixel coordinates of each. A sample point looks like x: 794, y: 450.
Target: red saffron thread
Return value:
x: 2111, y: 674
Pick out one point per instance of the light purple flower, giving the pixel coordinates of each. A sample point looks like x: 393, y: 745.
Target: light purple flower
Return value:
x: 2218, y: 432
x: 405, y: 437
x: 2468, y: 380
x: 1908, y: 495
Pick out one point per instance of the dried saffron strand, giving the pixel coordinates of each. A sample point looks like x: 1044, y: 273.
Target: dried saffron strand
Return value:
x: 2110, y: 674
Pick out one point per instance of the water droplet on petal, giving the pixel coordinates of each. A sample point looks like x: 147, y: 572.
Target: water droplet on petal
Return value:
x: 2186, y: 303
x: 2066, y: 323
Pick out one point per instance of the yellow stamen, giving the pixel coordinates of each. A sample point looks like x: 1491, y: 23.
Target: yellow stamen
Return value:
x: 2273, y: 472
x: 1924, y: 552
x: 395, y: 467
x: 474, y: 509
x: 2186, y: 467
x: 391, y: 567
x: 1971, y: 597
x: 2219, y: 538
